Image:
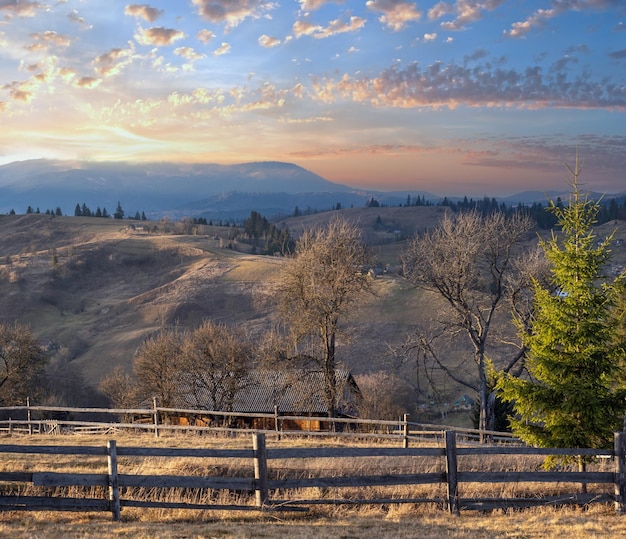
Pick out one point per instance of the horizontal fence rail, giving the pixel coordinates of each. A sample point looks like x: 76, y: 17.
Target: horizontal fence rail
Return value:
x: 270, y: 490
x: 58, y: 420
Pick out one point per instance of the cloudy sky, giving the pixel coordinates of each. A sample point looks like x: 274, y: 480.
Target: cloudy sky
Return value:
x: 454, y: 97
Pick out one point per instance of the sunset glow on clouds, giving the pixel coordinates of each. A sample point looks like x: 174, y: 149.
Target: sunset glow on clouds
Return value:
x: 454, y: 97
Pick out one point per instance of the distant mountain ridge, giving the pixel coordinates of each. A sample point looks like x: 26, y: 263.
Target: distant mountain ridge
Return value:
x: 224, y: 191
x: 180, y: 189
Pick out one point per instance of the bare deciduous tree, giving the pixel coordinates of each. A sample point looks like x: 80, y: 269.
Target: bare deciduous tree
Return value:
x: 203, y: 368
x: 157, y: 366
x: 216, y: 361
x: 120, y: 388
x: 319, y: 283
x: 22, y: 365
x: 466, y: 260
x: 384, y: 395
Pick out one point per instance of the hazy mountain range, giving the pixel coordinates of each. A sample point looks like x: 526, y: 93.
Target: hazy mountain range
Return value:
x: 200, y: 190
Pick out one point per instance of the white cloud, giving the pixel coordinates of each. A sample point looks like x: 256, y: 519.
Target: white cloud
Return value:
x: 205, y: 36
x: 396, y: 14
x: 188, y: 54
x: 268, y: 41
x: 232, y: 12
x: 224, y: 48
x: 305, y: 28
x: 536, y: 20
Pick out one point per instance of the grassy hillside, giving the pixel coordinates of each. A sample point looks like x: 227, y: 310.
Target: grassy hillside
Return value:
x: 97, y: 288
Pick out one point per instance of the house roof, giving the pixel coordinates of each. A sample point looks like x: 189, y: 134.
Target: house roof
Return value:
x: 291, y: 391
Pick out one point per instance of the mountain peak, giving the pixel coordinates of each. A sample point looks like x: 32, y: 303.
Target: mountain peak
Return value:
x: 154, y: 187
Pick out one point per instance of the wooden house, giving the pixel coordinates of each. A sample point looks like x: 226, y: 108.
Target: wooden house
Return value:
x: 289, y: 392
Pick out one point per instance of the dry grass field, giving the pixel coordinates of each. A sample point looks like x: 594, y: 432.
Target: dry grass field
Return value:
x: 326, y: 521
x: 405, y: 523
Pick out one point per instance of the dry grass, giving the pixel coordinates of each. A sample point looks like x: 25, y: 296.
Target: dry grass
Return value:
x: 403, y: 522
x: 363, y: 521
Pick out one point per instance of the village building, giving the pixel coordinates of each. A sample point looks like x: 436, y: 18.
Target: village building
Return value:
x: 299, y: 393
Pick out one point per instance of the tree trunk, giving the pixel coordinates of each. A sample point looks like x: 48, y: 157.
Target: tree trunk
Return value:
x: 483, y: 398
x: 330, y: 380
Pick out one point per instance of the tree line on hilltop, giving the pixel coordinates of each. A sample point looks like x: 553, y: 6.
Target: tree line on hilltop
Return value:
x: 82, y: 210
x: 608, y: 210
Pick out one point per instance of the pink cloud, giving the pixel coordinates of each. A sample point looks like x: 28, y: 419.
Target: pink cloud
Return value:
x: 88, y: 82
x: 396, y: 14
x: 205, y: 36
x: 112, y: 62
x: 224, y: 48
x: 305, y: 28
x: 158, y: 36
x: 188, y: 54
x: 450, y: 85
x: 143, y: 11
x: 537, y: 19
x: 20, y: 8
x: 268, y: 41
x: 465, y: 11
x: 51, y: 38
x: 232, y: 12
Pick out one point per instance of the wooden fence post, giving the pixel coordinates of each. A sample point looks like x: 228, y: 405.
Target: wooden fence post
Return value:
x: 30, y: 425
x: 276, y: 425
x: 452, y: 473
x: 114, y: 488
x: 405, y: 431
x: 620, y: 472
x: 260, y: 469
x: 156, y: 417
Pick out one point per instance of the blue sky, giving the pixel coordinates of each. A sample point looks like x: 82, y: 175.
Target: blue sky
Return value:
x: 463, y: 97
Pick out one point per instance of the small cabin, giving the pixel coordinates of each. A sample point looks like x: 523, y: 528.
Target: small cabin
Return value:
x: 292, y: 392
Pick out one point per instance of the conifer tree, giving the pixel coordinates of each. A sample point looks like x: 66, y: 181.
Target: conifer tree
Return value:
x: 571, y: 398
x: 119, y: 212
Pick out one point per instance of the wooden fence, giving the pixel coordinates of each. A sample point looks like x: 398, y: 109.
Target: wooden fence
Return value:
x: 57, y: 420
x: 264, y: 482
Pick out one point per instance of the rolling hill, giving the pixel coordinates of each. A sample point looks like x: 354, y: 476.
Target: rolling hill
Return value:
x: 93, y: 289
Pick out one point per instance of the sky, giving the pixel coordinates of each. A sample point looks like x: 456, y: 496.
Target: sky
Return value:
x: 462, y: 97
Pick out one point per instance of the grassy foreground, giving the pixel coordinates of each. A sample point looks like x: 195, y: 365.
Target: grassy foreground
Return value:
x: 328, y: 521
x: 597, y: 522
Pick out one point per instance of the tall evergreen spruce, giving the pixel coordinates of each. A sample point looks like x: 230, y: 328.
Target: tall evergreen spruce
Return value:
x: 571, y: 398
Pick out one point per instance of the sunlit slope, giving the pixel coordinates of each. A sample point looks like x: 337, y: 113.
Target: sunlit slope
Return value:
x: 97, y: 288
x: 98, y: 291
